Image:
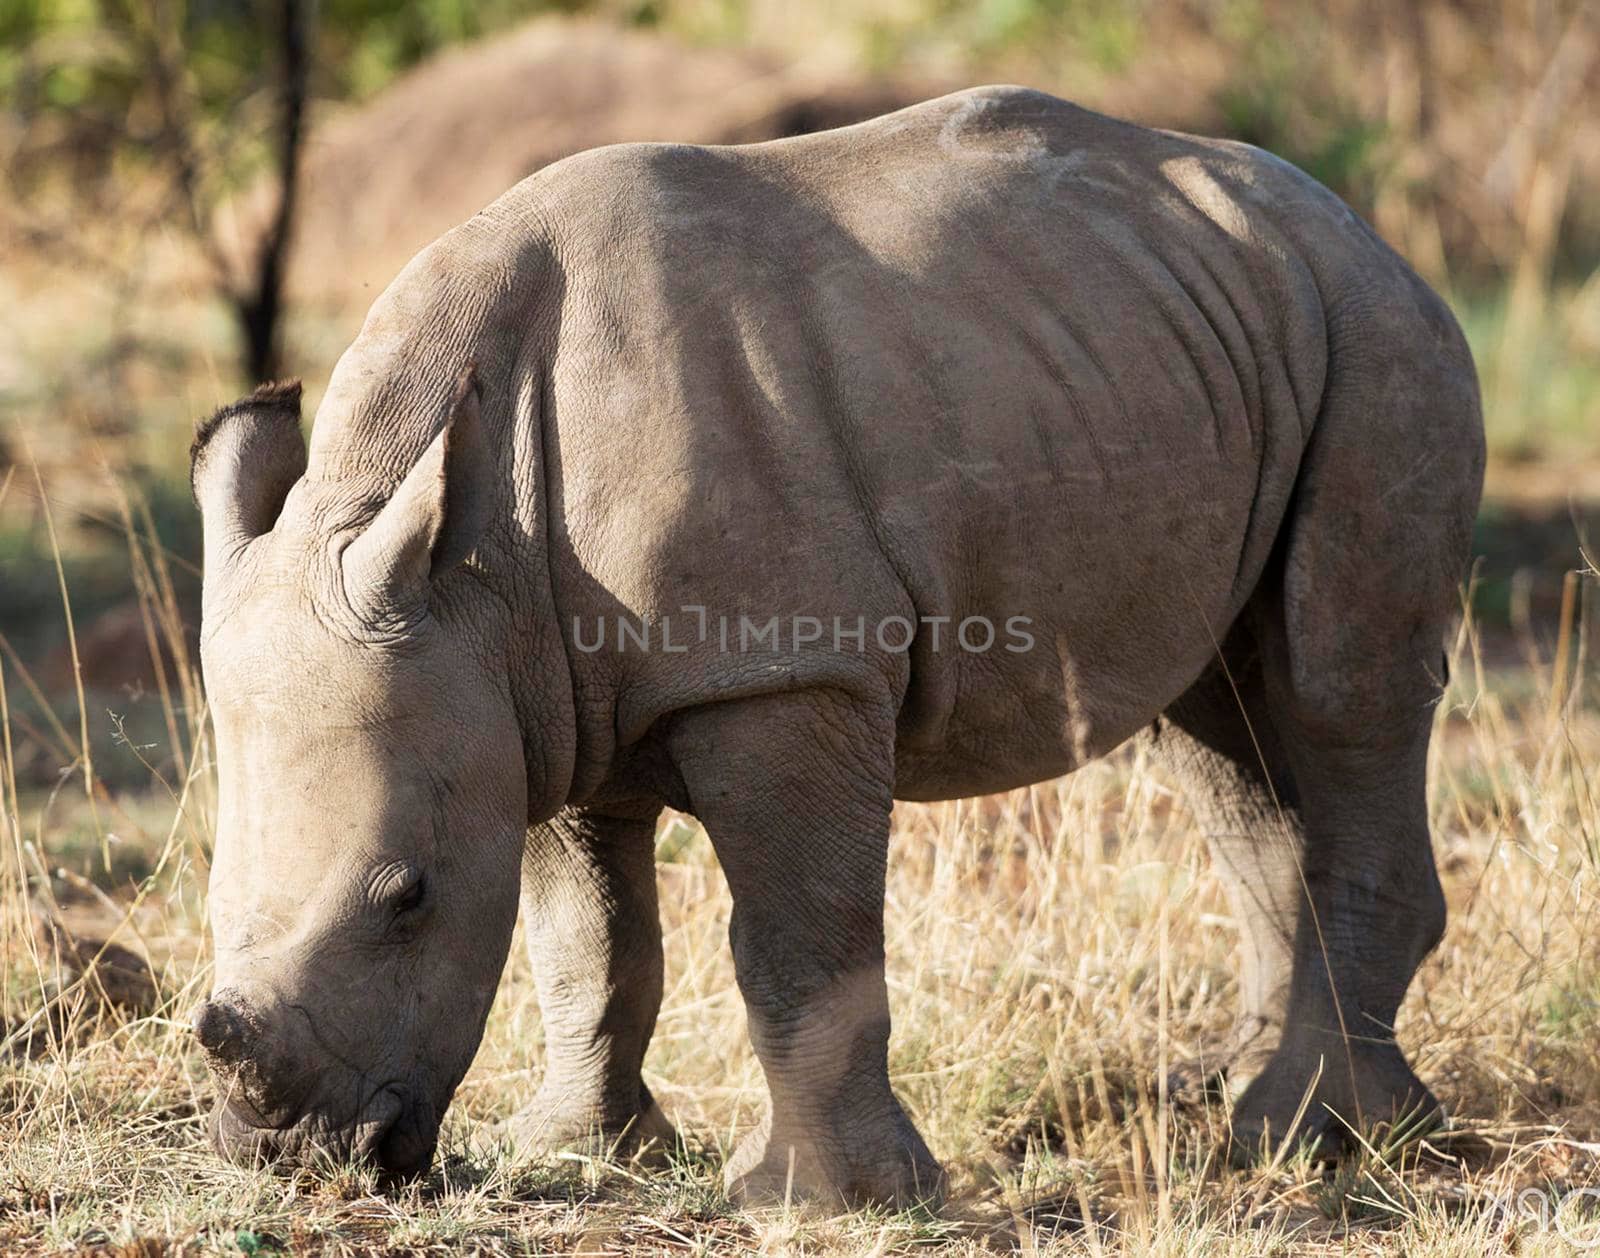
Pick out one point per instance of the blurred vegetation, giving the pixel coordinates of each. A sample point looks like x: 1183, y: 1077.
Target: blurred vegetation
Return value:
x: 1438, y: 118
x: 85, y: 58
x: 191, y: 98
x: 1468, y: 131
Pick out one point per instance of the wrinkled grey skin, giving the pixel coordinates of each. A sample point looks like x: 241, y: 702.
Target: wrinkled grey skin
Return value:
x: 990, y: 356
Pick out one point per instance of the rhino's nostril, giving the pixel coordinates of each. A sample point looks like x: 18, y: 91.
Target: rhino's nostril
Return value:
x: 218, y: 1028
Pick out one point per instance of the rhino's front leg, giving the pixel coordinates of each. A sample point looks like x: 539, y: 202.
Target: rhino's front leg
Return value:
x: 594, y: 937
x: 795, y: 793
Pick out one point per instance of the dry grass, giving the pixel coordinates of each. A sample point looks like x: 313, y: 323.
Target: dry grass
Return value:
x: 1053, y: 954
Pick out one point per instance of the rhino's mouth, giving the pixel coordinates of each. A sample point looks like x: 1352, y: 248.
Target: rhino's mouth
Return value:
x: 388, y: 1130
x: 405, y: 1145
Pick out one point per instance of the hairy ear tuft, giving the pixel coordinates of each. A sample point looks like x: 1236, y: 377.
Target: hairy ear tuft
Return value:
x: 244, y: 460
x: 276, y: 397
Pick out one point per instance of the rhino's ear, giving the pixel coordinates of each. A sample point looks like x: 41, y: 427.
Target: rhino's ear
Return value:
x: 243, y: 463
x: 433, y: 520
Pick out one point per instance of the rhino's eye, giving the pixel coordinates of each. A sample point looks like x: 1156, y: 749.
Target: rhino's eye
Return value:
x: 400, y: 890
x: 411, y: 897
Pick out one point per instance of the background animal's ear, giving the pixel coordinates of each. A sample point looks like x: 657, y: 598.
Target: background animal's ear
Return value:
x: 435, y: 517
x: 243, y: 463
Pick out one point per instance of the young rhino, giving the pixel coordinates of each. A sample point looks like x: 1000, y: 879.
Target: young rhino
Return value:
x: 925, y: 458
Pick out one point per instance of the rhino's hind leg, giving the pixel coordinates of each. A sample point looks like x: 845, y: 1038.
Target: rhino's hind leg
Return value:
x: 1352, y: 631
x: 594, y: 938
x: 1218, y: 740
x: 795, y: 792
x: 1373, y: 912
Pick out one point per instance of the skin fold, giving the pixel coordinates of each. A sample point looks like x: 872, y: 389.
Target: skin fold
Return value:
x: 1163, y: 404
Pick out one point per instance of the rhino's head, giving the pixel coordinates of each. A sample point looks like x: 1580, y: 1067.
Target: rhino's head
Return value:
x: 372, y: 788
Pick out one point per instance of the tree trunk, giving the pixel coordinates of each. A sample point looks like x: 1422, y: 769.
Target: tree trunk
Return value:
x: 260, y: 308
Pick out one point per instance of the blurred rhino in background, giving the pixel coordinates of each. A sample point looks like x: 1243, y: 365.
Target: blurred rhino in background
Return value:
x: 384, y: 178
x: 1014, y: 431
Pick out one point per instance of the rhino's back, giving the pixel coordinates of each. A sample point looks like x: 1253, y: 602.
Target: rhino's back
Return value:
x: 993, y: 356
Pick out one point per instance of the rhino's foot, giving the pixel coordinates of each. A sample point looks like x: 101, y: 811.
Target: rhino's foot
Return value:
x: 1230, y: 1067
x: 1369, y: 1089
x: 557, y: 1124
x: 894, y: 1169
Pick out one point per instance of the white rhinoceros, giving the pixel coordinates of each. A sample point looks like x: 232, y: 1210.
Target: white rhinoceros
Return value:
x: 918, y: 459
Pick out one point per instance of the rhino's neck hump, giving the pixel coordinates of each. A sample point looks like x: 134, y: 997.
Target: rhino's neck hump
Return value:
x: 470, y: 297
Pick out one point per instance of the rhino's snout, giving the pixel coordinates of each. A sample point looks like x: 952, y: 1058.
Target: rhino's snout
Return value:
x: 260, y: 1062
x: 264, y: 1073
x: 272, y: 1109
x: 220, y: 1030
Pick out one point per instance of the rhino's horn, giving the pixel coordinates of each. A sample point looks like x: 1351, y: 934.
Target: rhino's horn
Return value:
x: 432, y: 521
